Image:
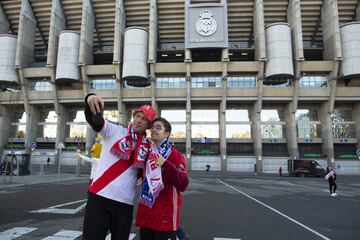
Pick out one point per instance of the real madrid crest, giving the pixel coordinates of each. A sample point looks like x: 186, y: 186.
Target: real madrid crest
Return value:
x: 206, y: 24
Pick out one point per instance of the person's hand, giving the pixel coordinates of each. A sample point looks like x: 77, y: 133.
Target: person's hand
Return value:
x: 160, y: 161
x: 96, y: 103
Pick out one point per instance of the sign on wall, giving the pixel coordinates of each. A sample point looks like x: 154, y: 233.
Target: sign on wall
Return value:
x: 206, y: 26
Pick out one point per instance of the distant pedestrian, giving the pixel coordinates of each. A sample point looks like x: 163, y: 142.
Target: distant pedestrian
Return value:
x: 207, y: 167
x: 331, y: 177
x: 280, y: 171
x: 48, y: 161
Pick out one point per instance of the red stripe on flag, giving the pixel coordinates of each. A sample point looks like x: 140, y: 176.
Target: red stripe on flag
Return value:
x: 109, y: 175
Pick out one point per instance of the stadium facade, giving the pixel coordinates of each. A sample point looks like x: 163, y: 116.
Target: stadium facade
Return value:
x: 247, y: 85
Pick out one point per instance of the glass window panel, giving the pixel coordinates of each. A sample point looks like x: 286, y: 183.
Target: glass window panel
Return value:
x: 205, y: 81
x: 313, y: 81
x: 78, y: 131
x: 49, y: 131
x: 271, y: 131
x: 202, y: 130
x: 307, y: 130
x: 341, y: 115
x: 341, y: 130
x: 170, y: 82
x: 52, y: 117
x: 238, y: 131
x: 204, y: 116
x: 241, y: 81
x: 103, y: 84
x: 174, y: 115
x: 40, y: 86
x: 269, y: 115
x: 112, y: 115
x: 237, y: 115
x: 80, y: 117
x: 302, y: 114
x: 178, y: 131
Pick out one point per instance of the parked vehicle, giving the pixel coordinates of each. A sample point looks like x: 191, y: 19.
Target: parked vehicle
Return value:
x: 304, y: 168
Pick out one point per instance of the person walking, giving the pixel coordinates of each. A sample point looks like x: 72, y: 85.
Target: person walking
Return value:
x: 280, y: 171
x: 158, y: 212
x: 112, y: 191
x: 331, y: 177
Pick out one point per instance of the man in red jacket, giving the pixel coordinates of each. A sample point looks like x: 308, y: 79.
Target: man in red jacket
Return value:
x: 161, y: 220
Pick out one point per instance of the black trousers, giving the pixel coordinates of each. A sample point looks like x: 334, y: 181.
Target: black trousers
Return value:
x: 103, y: 215
x: 332, y: 186
x: 148, y: 234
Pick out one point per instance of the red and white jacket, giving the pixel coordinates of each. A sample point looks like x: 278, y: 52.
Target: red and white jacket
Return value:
x: 165, y: 213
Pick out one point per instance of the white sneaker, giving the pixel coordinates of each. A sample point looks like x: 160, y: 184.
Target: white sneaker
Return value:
x: 333, y: 195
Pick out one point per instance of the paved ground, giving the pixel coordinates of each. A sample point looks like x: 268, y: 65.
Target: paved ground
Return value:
x: 216, y: 206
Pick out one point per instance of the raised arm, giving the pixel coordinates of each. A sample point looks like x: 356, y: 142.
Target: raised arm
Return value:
x: 94, y: 107
x: 176, y: 173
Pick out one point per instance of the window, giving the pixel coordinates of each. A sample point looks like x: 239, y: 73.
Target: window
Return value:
x: 277, y: 83
x: 271, y: 124
x: 78, y: 126
x: 170, y: 82
x: 103, y: 84
x: 241, y: 81
x: 342, y: 124
x: 177, y: 119
x: 204, y: 124
x: 307, y: 122
x: 50, y: 126
x: 238, y: 124
x: 112, y: 115
x: 40, y: 86
x: 313, y: 81
x: 205, y: 81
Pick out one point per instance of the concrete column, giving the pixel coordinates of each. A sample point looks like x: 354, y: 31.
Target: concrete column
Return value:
x: 120, y: 24
x: 294, y: 19
x: 120, y: 105
x: 90, y: 134
x: 256, y: 135
x: 357, y: 13
x: 5, y: 121
x: 26, y: 36
x: 331, y: 30
x: 259, y: 30
x: 326, y: 132
x: 24, y: 89
x: 86, y: 80
x: 153, y: 32
x: 63, y: 117
x: 32, y: 120
x: 332, y: 80
x: 153, y: 86
x: 188, y: 107
x: 356, y: 116
x: 90, y: 139
x: 86, y: 34
x: 222, y: 113
x: 291, y: 133
x: 57, y: 24
x: 256, y: 120
x: 4, y: 23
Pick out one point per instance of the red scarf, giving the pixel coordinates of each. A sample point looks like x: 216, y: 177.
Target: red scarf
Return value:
x: 124, y: 147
